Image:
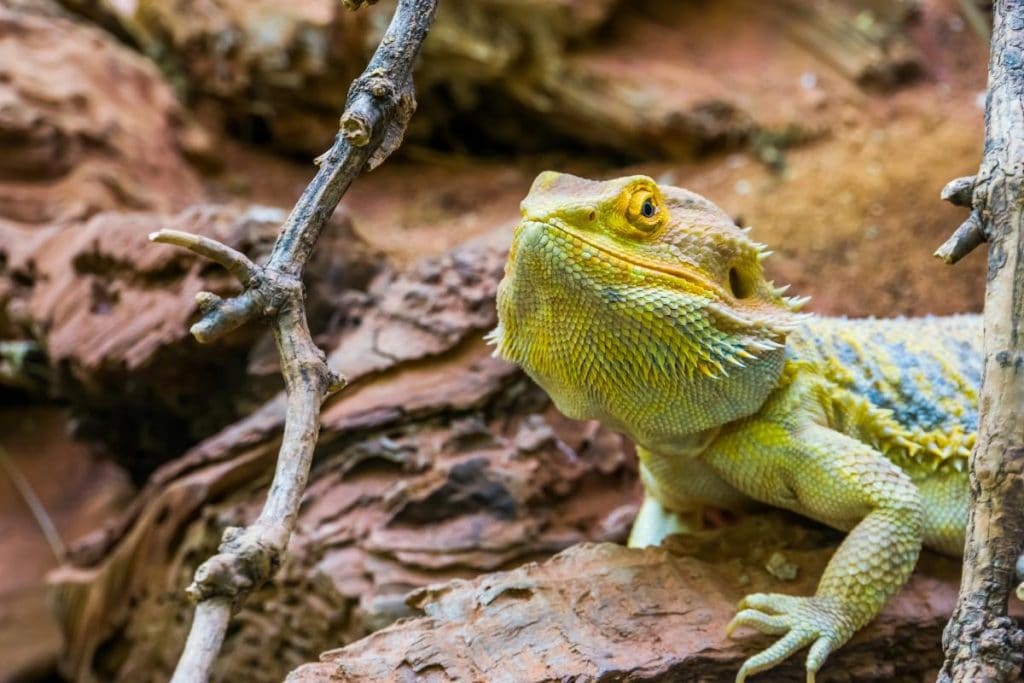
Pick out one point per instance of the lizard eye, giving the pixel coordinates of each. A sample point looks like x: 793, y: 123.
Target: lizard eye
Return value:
x: 644, y: 210
x: 648, y: 209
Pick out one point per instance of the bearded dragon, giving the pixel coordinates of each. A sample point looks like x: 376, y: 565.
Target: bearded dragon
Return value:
x: 645, y: 307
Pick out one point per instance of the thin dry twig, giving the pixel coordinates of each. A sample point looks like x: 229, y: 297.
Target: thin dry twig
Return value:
x: 981, y: 642
x: 236, y: 263
x: 976, y: 18
x: 380, y: 103
x: 35, y: 506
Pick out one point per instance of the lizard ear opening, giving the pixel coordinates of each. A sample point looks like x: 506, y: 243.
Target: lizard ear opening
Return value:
x: 739, y: 284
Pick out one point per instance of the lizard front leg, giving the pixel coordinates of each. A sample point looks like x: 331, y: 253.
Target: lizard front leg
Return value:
x: 654, y: 522
x: 835, y: 479
x: 676, y: 490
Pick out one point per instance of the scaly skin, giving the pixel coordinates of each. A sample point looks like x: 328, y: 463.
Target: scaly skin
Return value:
x: 643, y: 306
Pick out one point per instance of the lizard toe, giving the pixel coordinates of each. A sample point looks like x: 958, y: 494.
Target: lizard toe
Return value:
x: 776, y: 654
x: 803, y: 621
x: 821, y: 649
x: 772, y: 624
x: 769, y: 603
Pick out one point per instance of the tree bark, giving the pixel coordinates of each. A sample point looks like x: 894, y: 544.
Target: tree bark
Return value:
x: 981, y: 642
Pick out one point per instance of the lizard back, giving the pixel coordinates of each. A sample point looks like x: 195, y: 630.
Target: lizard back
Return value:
x: 916, y: 379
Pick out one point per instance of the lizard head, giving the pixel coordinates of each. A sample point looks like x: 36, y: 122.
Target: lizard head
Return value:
x: 637, y: 303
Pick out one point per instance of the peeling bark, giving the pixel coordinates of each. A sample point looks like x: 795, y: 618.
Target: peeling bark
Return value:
x: 70, y: 149
x: 109, y: 314
x: 600, y: 612
x: 437, y: 462
x: 494, y: 70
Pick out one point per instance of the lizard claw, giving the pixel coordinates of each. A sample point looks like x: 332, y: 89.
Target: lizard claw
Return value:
x: 815, y: 621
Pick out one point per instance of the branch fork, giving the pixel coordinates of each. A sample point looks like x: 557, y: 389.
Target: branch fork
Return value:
x: 221, y: 316
x: 972, y: 232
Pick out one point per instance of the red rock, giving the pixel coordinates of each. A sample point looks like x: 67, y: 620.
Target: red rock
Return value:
x: 86, y: 124
x: 112, y: 311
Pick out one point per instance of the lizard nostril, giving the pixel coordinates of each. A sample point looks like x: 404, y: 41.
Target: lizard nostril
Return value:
x: 593, y: 215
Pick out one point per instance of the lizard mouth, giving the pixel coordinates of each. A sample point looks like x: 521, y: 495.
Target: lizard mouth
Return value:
x: 685, y: 274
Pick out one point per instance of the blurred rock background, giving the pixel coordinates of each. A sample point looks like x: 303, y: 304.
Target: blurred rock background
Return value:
x: 830, y: 126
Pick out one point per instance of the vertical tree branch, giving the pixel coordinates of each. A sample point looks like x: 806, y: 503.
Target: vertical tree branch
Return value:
x: 981, y: 642
x: 380, y: 103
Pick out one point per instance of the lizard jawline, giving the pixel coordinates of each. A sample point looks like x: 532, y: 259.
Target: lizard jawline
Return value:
x: 679, y: 272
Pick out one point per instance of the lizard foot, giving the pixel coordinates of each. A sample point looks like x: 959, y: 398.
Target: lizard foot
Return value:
x: 801, y: 621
